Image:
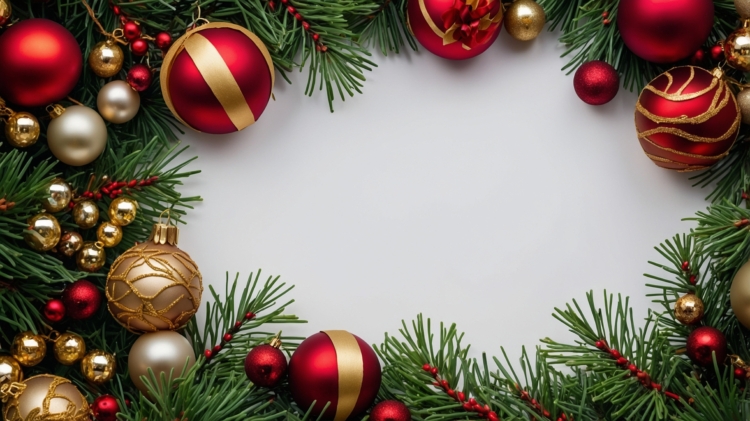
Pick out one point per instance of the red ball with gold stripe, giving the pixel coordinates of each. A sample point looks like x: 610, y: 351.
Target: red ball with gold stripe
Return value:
x: 217, y: 78
x: 337, y: 367
x: 687, y: 118
x: 455, y: 29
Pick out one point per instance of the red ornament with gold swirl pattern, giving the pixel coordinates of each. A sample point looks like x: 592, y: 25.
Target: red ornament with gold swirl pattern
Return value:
x: 687, y: 118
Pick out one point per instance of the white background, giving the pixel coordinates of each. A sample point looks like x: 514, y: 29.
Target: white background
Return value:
x: 481, y: 192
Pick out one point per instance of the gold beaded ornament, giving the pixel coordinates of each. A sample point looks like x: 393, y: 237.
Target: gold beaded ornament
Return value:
x: 68, y: 347
x: 28, y: 348
x: 98, y: 367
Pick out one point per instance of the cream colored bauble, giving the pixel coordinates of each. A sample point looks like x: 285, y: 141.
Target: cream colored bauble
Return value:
x: 46, y: 398
x: 76, y: 135
x: 118, y: 102
x: 739, y: 295
x: 164, y: 352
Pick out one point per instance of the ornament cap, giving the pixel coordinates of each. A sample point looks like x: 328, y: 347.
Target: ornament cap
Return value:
x: 276, y: 341
x: 165, y: 233
x: 717, y: 73
x: 55, y: 110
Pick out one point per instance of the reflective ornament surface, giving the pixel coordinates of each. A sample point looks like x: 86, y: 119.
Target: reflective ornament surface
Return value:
x: 163, y: 352
x: 106, y: 58
x: 5, y: 11
x: 118, y: 102
x: 743, y: 100
x: 43, y: 232
x: 98, y: 367
x: 524, y: 20
x: 109, y: 234
x: 77, y: 136
x: 28, y: 348
x: 737, y: 49
x: 47, y: 398
x: 69, y: 348
x: 70, y: 243
x: 91, y: 257
x: 122, y: 211
x: 10, y: 370
x: 688, y: 309
x: 57, y: 196
x: 86, y: 214
x: 22, y: 129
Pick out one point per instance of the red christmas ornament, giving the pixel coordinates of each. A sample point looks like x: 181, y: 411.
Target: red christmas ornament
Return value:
x: 596, y: 82
x: 54, y: 310
x: 664, y: 31
x: 140, y: 77
x: 265, y: 365
x: 131, y: 30
x: 41, y: 62
x: 717, y: 52
x: 390, y: 411
x: 703, y: 343
x: 82, y: 299
x: 455, y: 29
x: 163, y: 40
x: 740, y: 373
x: 105, y: 408
x: 217, y: 78
x: 338, y: 367
x: 139, y: 47
x: 687, y: 118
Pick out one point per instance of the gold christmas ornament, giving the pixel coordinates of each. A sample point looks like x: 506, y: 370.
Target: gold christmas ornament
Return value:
x: 743, y: 8
x: 22, y: 129
x: 86, y: 214
x: 688, y: 309
x: 743, y: 101
x: 70, y: 243
x: 739, y: 295
x: 106, y: 58
x: 76, y: 135
x: 43, y: 232
x: 57, y: 196
x: 737, y: 48
x: 154, y: 285
x: 69, y: 348
x: 524, y: 19
x: 109, y: 234
x: 122, y: 211
x: 164, y: 352
x: 5, y: 11
x: 118, y: 102
x: 98, y: 367
x: 28, y: 349
x: 44, y: 398
x: 91, y: 257
x: 10, y: 370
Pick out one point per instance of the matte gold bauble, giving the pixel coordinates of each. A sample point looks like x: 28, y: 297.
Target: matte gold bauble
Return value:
x: 5, y: 11
x: 76, y: 135
x: 524, y: 19
x: 69, y: 348
x: 743, y: 8
x: 46, y: 398
x: 22, y: 129
x: 688, y: 309
x: 118, y: 102
x: 70, y: 243
x: 28, y: 348
x: 86, y: 214
x: 109, y: 234
x: 106, y: 58
x: 91, y: 257
x: 154, y: 285
x: 43, y: 232
x: 57, y: 195
x: 743, y: 101
x: 737, y: 49
x: 122, y: 211
x: 10, y: 370
x: 739, y: 295
x: 98, y: 367
x: 164, y: 352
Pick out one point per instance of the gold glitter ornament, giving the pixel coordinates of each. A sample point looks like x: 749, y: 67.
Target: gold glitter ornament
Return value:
x: 57, y: 196
x: 86, y: 214
x: 154, y: 285
x: 98, y: 367
x: 106, y: 58
x: 10, y: 370
x: 28, y: 348
x: 69, y: 348
x: 91, y: 257
x: 43, y: 232
x: 22, y: 129
x: 44, y: 398
x: 70, y: 243
x: 688, y: 309
x: 524, y: 20
x: 109, y: 234
x: 122, y: 211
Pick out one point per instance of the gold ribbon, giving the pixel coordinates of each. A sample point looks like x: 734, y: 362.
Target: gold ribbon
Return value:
x: 351, y: 371
x: 447, y: 36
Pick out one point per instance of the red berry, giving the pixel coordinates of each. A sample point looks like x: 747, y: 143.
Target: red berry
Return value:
x: 139, y: 47
x: 249, y: 315
x: 163, y: 40
x: 291, y: 9
x: 116, y: 9
x: 434, y: 371
x: 461, y: 396
x: 131, y: 30
x: 717, y: 52
x: 615, y: 353
x: 605, y: 14
x: 622, y: 361
x: 227, y: 337
x: 306, y: 26
x: 739, y: 373
x: 426, y: 367
x: 698, y: 56
x: 208, y: 353
x: 685, y: 265
x: 298, y: 16
x: 217, y: 348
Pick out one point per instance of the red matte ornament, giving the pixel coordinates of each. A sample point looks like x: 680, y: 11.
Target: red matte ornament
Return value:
x: 596, y: 82
x: 266, y: 365
x: 140, y: 77
x: 105, y: 408
x: 453, y: 29
x: 40, y: 63
x: 54, y: 310
x: 390, y: 411
x: 82, y: 299
x: 703, y: 342
x: 664, y: 31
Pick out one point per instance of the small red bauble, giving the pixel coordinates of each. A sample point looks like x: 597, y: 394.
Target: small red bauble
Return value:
x: 105, y: 408
x: 217, y: 78
x: 82, y: 299
x: 455, y: 29
x: 139, y: 47
x: 717, y: 52
x: 131, y: 30
x: 687, y: 119
x: 41, y: 63
x: 596, y: 82
x: 140, y: 77
x: 664, y: 31
x: 703, y: 343
x: 54, y: 310
x: 265, y: 365
x: 328, y: 361
x: 740, y: 373
x: 390, y: 411
x: 163, y: 40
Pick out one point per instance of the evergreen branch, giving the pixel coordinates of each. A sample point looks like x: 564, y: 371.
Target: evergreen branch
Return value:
x: 385, y: 29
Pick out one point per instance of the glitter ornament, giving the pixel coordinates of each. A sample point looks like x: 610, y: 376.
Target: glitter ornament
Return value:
x: 82, y: 299
x: 596, y: 82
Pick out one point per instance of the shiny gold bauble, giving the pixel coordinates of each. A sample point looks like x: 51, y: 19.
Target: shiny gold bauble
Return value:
x: 118, y: 102
x: 86, y: 214
x: 688, y: 309
x: 69, y: 348
x: 47, y: 398
x: 91, y: 257
x: 98, y: 367
x: 109, y: 234
x: 10, y: 370
x: 77, y: 135
x: 122, y: 211
x: 739, y: 295
x: 524, y: 20
x: 57, y: 195
x: 737, y: 49
x: 28, y: 348
x: 163, y: 352
x: 743, y: 8
x: 70, y: 243
x: 106, y: 58
x: 43, y: 232
x: 5, y: 11
x: 22, y: 129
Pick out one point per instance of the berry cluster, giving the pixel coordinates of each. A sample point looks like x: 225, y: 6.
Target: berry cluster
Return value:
x: 471, y: 405
x: 305, y: 25
x: 131, y: 31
